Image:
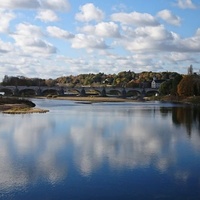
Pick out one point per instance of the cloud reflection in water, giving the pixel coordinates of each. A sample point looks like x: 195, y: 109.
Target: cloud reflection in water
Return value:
x: 122, y: 139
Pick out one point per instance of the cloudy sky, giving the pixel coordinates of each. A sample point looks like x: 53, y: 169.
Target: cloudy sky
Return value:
x: 53, y: 38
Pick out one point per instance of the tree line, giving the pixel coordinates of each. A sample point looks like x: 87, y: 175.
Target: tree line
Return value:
x: 173, y: 82
x: 122, y: 79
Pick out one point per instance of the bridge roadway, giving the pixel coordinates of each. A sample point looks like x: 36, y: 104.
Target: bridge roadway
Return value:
x: 61, y: 90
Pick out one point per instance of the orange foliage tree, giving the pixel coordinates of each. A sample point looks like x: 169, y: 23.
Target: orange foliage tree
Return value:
x: 186, y: 86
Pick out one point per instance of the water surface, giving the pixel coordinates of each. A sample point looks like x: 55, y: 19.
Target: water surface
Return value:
x: 101, y: 151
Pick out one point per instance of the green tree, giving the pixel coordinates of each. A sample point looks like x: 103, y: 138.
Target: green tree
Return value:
x: 165, y: 87
x: 175, y: 81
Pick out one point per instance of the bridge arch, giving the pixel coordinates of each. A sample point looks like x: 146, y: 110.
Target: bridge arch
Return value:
x: 7, y: 91
x: 152, y: 93
x: 72, y: 91
x: 49, y: 91
x: 133, y: 93
x: 27, y: 92
x: 114, y: 92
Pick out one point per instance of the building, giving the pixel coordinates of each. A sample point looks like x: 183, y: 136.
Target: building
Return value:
x: 156, y: 83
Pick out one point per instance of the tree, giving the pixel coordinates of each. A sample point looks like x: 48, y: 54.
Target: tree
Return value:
x: 6, y: 80
x: 165, y: 87
x: 176, y: 80
x: 186, y: 86
x: 190, y: 70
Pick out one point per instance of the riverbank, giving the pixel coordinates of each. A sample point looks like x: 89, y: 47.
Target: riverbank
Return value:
x: 18, y: 106
x: 26, y: 110
x: 23, y: 106
x: 193, y: 100
x: 94, y: 99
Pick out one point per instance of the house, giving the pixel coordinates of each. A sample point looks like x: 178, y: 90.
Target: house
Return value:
x: 156, y: 83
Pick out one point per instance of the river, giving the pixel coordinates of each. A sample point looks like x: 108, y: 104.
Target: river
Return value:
x: 97, y: 151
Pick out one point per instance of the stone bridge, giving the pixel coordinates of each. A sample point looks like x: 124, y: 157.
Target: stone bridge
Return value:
x: 81, y: 91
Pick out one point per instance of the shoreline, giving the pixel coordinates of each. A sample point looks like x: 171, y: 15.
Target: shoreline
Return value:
x: 93, y: 99
x: 21, y: 108
x: 18, y: 106
x: 24, y: 111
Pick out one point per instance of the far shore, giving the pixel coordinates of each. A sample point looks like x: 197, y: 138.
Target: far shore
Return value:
x: 15, y: 107
x: 193, y: 100
x: 93, y: 99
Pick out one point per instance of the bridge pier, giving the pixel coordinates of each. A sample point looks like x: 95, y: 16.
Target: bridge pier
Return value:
x: 16, y: 91
x: 82, y: 93
x: 123, y: 94
x: 61, y: 91
x: 39, y: 92
x: 103, y: 92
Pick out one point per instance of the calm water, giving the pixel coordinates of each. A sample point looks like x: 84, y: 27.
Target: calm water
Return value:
x: 101, y: 151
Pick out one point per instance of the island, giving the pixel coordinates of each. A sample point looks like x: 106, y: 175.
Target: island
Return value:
x: 18, y: 106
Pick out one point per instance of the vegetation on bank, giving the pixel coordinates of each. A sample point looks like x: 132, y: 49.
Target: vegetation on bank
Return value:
x: 22, y: 110
x: 194, y: 100
x: 18, y: 106
x: 7, y: 100
x: 122, y: 79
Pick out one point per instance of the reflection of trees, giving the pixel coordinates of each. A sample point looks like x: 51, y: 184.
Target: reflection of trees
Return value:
x: 164, y: 111
x: 186, y: 116
x: 196, y: 117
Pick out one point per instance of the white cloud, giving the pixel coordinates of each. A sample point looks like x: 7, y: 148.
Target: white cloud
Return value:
x: 186, y: 4
x: 5, y: 47
x: 179, y: 57
x: 190, y: 44
x: 25, y: 29
x: 5, y: 19
x: 145, y: 38
x: 33, y: 44
x: 169, y: 17
x: 47, y: 16
x: 24, y: 4
x: 198, y: 32
x: 107, y: 29
x: 120, y: 7
x: 154, y: 33
x: 135, y: 18
x: 89, y: 42
x: 60, y: 5
x: 103, y: 29
x: 89, y: 13
x: 59, y: 33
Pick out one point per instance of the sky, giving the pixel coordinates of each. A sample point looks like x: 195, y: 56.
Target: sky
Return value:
x: 54, y: 38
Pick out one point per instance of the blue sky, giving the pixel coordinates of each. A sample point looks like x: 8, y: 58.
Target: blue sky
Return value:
x: 53, y: 38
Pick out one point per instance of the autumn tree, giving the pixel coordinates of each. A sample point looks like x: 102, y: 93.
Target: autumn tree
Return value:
x: 186, y: 86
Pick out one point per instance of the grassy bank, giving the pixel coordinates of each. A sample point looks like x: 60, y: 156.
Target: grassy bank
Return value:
x: 94, y: 99
x: 27, y: 110
x: 18, y: 106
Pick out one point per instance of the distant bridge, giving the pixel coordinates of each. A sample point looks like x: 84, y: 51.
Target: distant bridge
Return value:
x: 81, y: 91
